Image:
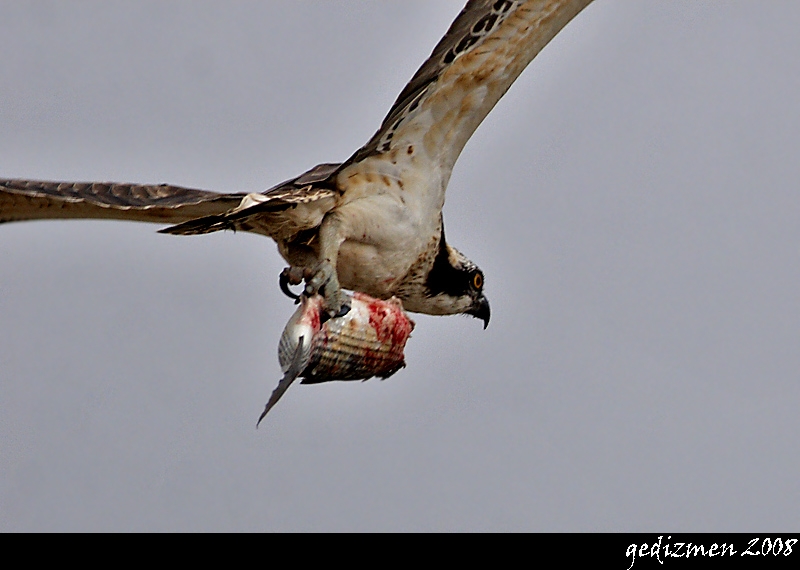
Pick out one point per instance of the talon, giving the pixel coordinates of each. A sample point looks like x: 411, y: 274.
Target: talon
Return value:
x: 325, y: 316
x: 290, y: 276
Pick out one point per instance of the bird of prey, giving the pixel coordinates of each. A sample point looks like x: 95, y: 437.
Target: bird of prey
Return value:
x: 374, y: 222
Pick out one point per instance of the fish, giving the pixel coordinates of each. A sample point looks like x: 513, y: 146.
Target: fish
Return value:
x: 368, y: 341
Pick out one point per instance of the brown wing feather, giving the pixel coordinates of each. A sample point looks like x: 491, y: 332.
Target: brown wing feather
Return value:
x: 35, y: 200
x: 483, y: 52
x: 280, y: 212
x: 276, y: 212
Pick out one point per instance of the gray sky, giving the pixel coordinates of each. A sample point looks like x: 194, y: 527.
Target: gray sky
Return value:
x: 633, y: 201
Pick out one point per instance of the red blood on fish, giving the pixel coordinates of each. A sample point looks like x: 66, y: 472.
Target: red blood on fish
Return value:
x: 368, y: 341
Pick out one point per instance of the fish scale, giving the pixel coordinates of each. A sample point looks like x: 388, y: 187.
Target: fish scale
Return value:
x: 369, y: 341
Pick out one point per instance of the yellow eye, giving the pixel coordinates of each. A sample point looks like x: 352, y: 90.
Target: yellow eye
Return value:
x: 477, y: 281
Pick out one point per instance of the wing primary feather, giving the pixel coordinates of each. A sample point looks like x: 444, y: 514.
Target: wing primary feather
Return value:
x: 158, y: 203
x: 481, y: 55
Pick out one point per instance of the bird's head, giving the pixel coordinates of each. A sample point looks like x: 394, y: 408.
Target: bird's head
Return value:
x: 454, y: 286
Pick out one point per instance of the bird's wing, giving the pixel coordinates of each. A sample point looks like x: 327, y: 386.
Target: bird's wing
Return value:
x: 34, y: 200
x: 280, y: 212
x: 483, y: 52
x: 277, y: 212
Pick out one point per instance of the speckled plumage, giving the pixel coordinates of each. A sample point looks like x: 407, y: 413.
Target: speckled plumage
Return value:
x: 375, y: 219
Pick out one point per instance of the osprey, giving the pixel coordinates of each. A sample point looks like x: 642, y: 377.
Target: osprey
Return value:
x: 374, y: 222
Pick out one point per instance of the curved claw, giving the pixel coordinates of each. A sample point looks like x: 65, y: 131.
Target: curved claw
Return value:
x: 325, y: 316
x: 343, y: 311
x: 287, y: 278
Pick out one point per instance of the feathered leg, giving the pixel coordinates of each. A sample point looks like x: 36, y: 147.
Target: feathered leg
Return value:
x: 325, y: 279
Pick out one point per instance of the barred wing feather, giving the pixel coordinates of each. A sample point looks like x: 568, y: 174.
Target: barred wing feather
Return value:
x: 35, y: 200
x: 486, y: 48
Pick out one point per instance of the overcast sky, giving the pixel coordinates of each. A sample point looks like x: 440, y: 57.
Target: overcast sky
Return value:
x: 634, y: 202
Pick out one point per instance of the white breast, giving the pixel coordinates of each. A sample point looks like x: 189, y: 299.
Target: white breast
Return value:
x: 392, y: 207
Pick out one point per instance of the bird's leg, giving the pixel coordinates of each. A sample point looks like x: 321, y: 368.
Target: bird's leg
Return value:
x: 325, y: 279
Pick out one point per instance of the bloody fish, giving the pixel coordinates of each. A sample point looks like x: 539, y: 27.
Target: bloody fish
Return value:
x: 368, y: 341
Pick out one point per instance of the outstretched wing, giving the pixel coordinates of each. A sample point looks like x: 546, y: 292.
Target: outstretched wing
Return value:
x: 280, y: 212
x: 34, y: 200
x: 483, y: 52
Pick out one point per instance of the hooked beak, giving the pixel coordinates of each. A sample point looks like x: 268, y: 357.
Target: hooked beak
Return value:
x: 481, y: 311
